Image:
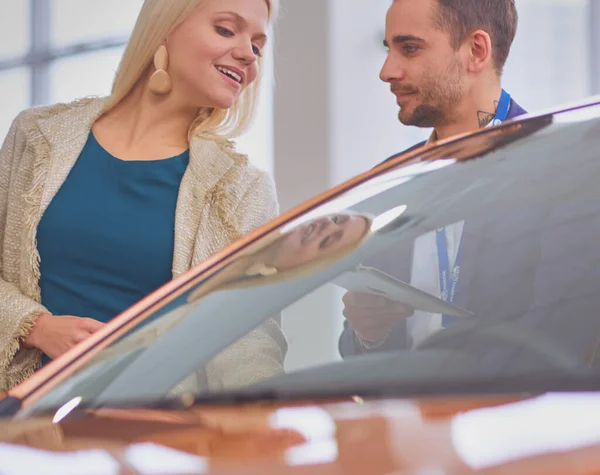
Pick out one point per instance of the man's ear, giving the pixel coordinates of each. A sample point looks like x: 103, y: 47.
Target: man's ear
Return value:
x: 480, y: 51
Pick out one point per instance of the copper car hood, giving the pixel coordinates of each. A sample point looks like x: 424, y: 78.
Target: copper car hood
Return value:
x: 547, y: 434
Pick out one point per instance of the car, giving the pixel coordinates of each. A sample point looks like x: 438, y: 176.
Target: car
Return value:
x: 245, y: 364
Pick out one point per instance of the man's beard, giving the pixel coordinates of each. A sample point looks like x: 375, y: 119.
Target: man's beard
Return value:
x: 424, y: 116
x: 439, y: 95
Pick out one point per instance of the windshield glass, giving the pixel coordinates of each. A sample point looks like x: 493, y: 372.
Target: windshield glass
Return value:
x: 475, y: 262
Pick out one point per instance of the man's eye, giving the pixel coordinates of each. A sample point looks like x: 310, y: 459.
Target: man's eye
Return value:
x: 409, y: 49
x: 224, y: 31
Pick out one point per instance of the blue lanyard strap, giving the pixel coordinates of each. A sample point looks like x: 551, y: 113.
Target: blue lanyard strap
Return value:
x: 448, y: 277
x: 502, y: 109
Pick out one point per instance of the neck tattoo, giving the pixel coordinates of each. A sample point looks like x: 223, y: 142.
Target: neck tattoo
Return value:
x: 485, y: 117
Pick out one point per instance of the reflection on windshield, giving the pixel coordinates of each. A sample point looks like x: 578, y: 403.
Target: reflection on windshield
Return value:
x: 192, y: 331
x: 472, y: 274
x: 303, y: 249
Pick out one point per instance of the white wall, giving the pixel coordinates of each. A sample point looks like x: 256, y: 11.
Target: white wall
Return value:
x: 257, y: 142
x: 365, y: 129
x: 549, y: 64
x: 302, y: 164
x: 334, y: 118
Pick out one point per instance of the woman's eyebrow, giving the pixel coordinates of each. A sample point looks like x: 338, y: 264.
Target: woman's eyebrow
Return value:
x: 242, y: 21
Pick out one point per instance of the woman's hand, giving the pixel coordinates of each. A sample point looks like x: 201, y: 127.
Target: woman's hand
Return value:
x: 54, y: 335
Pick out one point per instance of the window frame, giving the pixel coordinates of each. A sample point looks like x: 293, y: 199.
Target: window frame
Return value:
x: 42, y: 53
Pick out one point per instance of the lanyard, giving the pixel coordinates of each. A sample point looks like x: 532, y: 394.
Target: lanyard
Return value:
x: 449, y: 277
x: 502, y: 110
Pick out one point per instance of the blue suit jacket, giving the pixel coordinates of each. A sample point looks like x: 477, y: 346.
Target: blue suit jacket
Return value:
x: 400, y: 264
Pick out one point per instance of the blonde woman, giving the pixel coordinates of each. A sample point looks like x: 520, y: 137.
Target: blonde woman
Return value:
x: 104, y: 200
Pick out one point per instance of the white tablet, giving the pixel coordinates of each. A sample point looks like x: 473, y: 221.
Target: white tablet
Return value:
x: 373, y: 281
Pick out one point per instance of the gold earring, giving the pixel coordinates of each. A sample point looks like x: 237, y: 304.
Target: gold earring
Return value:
x: 160, y: 82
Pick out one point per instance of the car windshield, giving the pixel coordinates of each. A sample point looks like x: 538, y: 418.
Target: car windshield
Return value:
x: 473, y: 262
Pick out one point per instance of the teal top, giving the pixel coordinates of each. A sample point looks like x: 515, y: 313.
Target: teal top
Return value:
x: 106, y: 240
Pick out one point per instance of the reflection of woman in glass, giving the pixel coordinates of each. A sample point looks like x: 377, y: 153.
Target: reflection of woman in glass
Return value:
x: 301, y: 251
x: 305, y: 249
x: 309, y: 247
x: 104, y: 200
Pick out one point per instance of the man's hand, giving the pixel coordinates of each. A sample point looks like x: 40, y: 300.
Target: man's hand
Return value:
x: 55, y: 335
x: 372, y: 317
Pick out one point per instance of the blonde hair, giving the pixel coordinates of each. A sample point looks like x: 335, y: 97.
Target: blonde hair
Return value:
x: 157, y: 19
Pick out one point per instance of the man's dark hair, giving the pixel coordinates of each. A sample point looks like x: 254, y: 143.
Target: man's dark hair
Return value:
x: 498, y: 18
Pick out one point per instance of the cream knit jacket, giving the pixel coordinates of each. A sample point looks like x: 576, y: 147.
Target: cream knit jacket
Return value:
x: 221, y: 198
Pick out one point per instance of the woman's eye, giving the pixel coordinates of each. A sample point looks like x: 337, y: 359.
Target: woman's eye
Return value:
x: 256, y: 50
x: 224, y: 31
x: 324, y: 242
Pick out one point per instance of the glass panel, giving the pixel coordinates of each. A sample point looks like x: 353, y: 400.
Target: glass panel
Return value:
x: 14, y: 28
x: 14, y: 96
x: 83, y: 20
x: 505, y: 295
x: 89, y: 74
